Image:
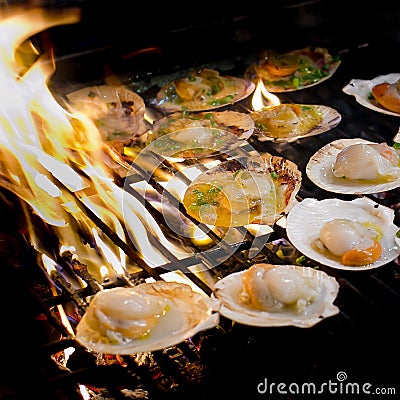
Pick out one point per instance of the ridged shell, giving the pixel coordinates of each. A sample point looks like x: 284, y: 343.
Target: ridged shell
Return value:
x: 242, y: 89
x: 330, y: 119
x: 361, y: 90
x: 284, y: 176
x: 280, y: 84
x: 307, y: 217
x: 227, y: 292
x: 95, y: 102
x: 319, y: 171
x: 188, y: 312
x: 224, y: 130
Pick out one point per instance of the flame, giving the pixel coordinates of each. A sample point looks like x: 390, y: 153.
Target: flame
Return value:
x: 54, y: 159
x: 263, y: 98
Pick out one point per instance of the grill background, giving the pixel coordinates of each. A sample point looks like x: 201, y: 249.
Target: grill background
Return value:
x: 362, y: 340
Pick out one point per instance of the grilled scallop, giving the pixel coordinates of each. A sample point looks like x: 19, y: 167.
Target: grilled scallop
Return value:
x: 354, y: 166
x: 288, y: 122
x: 388, y: 95
x: 201, y: 90
x: 146, y: 317
x: 277, y: 295
x: 292, y: 70
x: 117, y: 112
x: 352, y: 235
x: 195, y: 135
x: 254, y: 190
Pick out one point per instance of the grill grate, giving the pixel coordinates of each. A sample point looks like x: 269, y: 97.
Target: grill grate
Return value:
x: 230, y: 358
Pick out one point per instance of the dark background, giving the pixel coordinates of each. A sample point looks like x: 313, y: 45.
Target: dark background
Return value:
x: 110, y: 39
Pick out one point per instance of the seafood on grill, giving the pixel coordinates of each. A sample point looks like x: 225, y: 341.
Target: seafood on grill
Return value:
x: 292, y: 70
x: 353, y: 242
x: 380, y: 94
x: 355, y: 166
x: 277, y: 295
x: 202, y: 89
x: 194, y: 135
x: 367, y: 161
x: 251, y: 190
x: 352, y: 235
x: 117, y: 112
x: 388, y: 95
x: 288, y: 122
x: 146, y: 317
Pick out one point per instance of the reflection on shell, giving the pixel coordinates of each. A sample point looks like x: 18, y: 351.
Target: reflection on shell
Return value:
x: 228, y: 290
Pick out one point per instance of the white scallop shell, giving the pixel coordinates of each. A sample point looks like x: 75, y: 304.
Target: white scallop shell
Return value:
x: 361, y: 90
x: 227, y: 290
x: 189, y: 312
x: 330, y: 119
x: 228, y: 131
x: 94, y: 101
x: 286, y: 183
x: 243, y: 86
x: 307, y: 217
x: 319, y: 171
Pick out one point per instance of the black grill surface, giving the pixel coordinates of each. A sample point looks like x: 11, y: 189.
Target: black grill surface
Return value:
x: 232, y: 360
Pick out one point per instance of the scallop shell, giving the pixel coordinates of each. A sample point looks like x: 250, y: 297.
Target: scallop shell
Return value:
x: 224, y: 130
x: 307, y: 217
x: 189, y: 312
x: 330, y: 119
x: 95, y: 100
x: 283, y: 175
x: 361, y: 90
x: 238, y: 88
x: 319, y: 171
x: 274, y: 84
x: 227, y: 291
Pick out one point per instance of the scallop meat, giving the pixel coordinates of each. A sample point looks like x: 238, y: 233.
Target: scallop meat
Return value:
x: 289, y: 122
x: 146, y: 317
x: 350, y: 235
x: 251, y: 190
x: 355, y: 166
x: 268, y: 295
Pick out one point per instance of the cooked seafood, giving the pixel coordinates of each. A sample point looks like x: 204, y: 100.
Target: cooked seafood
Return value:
x: 255, y: 190
x: 117, y: 112
x: 388, y: 95
x: 292, y: 70
x: 367, y: 161
x: 189, y: 135
x: 289, y: 122
x: 277, y: 295
x: 353, y: 235
x: 362, y: 91
x: 203, y: 89
x: 354, y: 166
x: 146, y: 317
x: 354, y: 243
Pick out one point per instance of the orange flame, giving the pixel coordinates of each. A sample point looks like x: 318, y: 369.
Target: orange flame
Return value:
x: 55, y: 159
x: 263, y: 98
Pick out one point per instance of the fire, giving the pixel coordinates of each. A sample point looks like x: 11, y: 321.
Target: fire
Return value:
x: 263, y: 98
x: 54, y: 159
